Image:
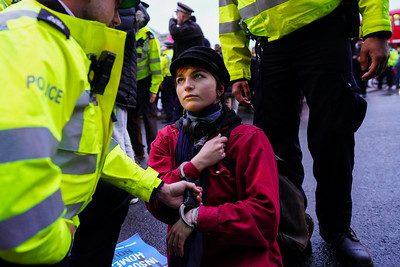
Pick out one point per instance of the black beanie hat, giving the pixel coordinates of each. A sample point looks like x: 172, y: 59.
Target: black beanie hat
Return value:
x: 204, y: 56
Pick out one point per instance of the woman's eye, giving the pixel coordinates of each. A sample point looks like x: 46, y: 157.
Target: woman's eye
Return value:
x: 179, y: 80
x: 198, y: 76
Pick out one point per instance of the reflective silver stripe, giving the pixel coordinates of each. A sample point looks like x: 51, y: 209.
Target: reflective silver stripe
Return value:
x: 26, y: 143
x: 16, y: 230
x: 225, y: 2
x: 154, y: 60
x: 72, y: 210
x: 74, y: 164
x: 156, y: 72
x: 257, y: 7
x: 229, y: 27
x: 16, y: 14
x: 146, y: 65
x: 4, y: 4
x: 72, y: 132
x: 113, y: 144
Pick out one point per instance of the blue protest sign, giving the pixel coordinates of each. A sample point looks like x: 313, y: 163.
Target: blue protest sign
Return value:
x: 133, y: 252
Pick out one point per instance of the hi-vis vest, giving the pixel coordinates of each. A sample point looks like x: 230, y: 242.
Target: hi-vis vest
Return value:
x: 275, y: 19
x: 166, y: 60
x: 148, y: 58
x: 55, y: 134
x: 4, y: 4
x: 394, y: 56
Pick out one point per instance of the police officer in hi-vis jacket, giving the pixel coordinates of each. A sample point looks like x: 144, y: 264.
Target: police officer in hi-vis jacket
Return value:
x: 60, y: 76
x: 303, y: 48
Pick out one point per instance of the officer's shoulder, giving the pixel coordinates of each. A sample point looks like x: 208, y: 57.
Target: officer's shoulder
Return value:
x: 53, y: 20
x: 15, y: 12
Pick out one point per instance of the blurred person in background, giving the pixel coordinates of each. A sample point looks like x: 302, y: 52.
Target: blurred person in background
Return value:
x: 149, y: 79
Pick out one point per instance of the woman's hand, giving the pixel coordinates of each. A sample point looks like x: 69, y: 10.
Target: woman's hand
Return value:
x: 177, y: 236
x: 212, y: 152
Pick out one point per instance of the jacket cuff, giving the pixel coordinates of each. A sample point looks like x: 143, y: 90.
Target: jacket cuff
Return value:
x: 191, y: 171
x: 155, y: 191
x: 383, y: 34
x: 238, y: 80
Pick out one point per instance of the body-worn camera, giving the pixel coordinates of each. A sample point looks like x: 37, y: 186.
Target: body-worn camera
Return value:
x: 100, y: 71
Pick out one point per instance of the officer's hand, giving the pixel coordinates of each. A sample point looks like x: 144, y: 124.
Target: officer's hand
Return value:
x: 238, y: 88
x: 378, y: 49
x: 152, y: 97
x: 172, y: 194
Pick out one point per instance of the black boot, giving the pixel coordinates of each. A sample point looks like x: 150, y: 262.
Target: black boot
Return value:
x: 348, y: 248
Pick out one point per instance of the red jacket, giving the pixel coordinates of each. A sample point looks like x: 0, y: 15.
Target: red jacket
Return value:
x: 241, y: 217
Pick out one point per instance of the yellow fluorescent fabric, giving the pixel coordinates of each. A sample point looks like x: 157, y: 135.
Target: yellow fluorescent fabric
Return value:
x: 394, y: 56
x: 138, y: 182
x: 37, y: 100
x: 148, y: 59
x: 275, y: 19
x: 166, y: 60
x: 37, y: 103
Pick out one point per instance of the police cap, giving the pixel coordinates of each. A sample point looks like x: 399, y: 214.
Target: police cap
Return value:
x: 169, y: 44
x: 145, y: 4
x: 128, y: 3
x: 184, y: 8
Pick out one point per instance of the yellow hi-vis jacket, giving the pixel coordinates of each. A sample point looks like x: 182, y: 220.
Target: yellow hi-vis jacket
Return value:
x: 54, y: 134
x: 4, y: 4
x: 275, y: 19
x: 148, y: 58
x: 166, y: 60
x: 394, y: 56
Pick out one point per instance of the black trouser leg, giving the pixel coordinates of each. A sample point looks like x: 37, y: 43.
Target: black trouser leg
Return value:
x: 168, y: 95
x: 100, y: 224
x: 316, y: 60
x: 134, y: 121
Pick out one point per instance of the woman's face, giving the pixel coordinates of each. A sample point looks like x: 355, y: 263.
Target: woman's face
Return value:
x: 196, y: 88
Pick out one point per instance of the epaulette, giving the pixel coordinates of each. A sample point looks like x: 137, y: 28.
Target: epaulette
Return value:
x: 150, y: 35
x: 47, y: 16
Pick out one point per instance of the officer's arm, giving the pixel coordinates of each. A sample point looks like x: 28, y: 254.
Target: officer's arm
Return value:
x: 174, y: 28
x: 376, y: 29
x: 121, y: 171
x: 234, y: 42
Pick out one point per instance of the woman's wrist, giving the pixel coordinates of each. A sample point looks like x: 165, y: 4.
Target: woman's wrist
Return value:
x: 198, y: 164
x: 191, y: 217
x: 181, y: 172
x: 186, y: 217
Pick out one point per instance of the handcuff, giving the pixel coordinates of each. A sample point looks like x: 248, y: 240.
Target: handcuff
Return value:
x: 190, y: 201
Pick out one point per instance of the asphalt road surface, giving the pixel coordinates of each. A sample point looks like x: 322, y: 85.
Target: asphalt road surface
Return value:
x: 376, y: 188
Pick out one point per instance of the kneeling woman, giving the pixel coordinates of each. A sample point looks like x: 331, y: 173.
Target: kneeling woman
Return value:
x: 237, y: 222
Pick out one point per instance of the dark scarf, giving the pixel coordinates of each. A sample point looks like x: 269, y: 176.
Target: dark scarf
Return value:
x: 188, y: 145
